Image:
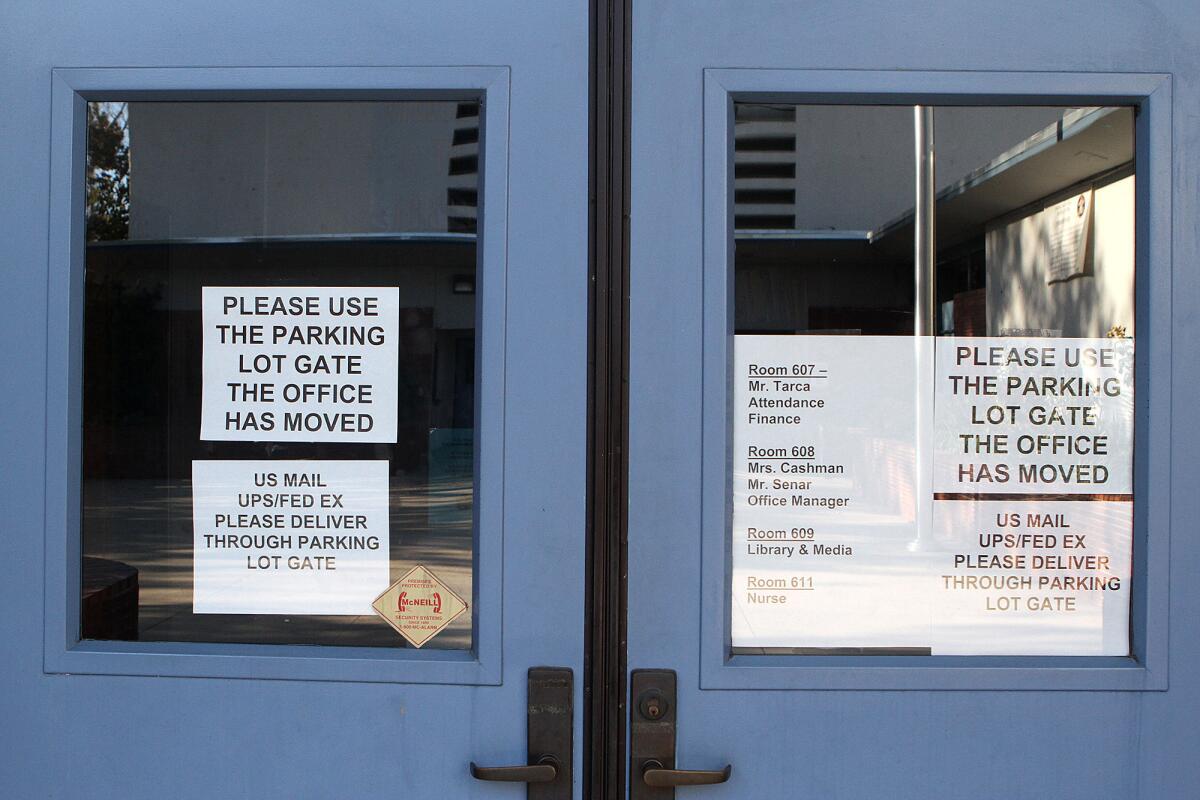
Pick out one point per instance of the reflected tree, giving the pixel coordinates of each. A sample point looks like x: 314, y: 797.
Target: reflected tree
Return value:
x: 107, y: 172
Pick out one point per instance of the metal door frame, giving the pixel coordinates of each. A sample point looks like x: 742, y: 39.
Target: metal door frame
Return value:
x: 604, y: 660
x: 1146, y: 669
x: 62, y: 650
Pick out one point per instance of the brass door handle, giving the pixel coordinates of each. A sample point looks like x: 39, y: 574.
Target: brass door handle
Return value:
x: 654, y: 774
x: 545, y: 771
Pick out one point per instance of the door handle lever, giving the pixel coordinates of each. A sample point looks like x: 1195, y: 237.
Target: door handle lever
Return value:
x: 654, y: 774
x: 653, y: 713
x: 545, y: 771
x: 549, y: 714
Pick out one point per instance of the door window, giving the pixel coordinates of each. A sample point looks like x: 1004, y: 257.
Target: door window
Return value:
x: 279, y: 405
x: 931, y: 414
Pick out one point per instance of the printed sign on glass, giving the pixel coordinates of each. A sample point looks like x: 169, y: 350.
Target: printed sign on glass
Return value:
x: 948, y: 496
x: 289, y: 537
x: 300, y: 364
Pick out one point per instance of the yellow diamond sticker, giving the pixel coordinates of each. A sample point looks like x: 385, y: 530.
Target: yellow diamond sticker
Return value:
x: 419, y: 606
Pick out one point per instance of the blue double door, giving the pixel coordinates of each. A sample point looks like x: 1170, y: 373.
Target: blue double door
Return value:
x: 765, y: 157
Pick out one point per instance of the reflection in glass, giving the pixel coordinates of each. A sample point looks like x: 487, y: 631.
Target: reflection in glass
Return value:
x: 1033, y: 248
x: 186, y: 195
x: 823, y: 218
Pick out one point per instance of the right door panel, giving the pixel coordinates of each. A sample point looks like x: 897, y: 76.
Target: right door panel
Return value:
x: 888, y: 422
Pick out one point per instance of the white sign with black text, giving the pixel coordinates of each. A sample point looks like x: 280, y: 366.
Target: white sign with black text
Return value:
x: 289, y: 537
x: 300, y: 364
x: 825, y: 485
x: 1030, y: 415
x: 957, y: 496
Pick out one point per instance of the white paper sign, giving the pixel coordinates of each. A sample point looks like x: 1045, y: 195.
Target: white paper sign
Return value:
x: 300, y: 364
x: 869, y: 509
x: 289, y: 537
x: 1032, y: 577
x: 1067, y: 224
x: 1034, y: 416
x: 825, y: 492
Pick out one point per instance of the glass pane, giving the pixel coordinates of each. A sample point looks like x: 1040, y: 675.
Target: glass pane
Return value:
x: 279, y: 399
x: 966, y: 494
x: 806, y: 215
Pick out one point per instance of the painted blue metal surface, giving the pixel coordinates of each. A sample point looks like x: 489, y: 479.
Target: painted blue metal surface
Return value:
x: 850, y: 729
x: 288, y: 722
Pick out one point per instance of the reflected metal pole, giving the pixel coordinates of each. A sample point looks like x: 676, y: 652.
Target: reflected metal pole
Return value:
x: 924, y: 318
x: 924, y: 239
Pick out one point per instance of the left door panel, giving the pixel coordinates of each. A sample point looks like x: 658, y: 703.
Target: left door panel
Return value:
x: 287, y: 346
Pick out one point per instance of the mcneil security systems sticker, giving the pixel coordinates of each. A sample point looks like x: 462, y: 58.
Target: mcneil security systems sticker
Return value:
x: 419, y: 606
